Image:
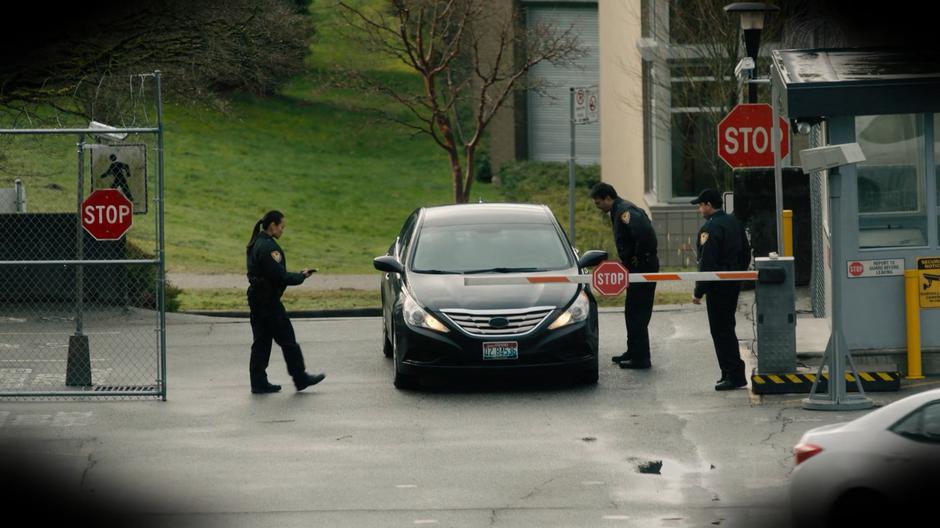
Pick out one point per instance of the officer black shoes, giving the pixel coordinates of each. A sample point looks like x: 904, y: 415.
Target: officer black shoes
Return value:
x: 267, y: 388
x: 730, y: 383
x: 306, y: 380
x: 634, y: 364
x: 622, y: 357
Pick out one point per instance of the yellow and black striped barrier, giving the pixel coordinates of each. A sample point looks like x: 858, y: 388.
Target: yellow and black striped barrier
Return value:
x: 803, y: 382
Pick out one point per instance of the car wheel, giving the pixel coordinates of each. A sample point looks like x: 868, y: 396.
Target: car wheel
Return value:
x: 590, y: 376
x: 861, y: 507
x: 387, y: 348
x: 401, y: 381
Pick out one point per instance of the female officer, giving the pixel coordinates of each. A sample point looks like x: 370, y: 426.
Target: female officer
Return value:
x: 268, y: 278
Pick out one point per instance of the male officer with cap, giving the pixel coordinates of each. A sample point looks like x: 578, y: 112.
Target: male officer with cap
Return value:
x: 722, y: 246
x: 636, y: 247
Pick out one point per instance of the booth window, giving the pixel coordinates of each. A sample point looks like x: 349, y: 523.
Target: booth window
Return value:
x: 891, y: 181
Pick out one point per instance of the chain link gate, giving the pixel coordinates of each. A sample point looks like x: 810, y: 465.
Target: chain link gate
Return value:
x: 82, y: 317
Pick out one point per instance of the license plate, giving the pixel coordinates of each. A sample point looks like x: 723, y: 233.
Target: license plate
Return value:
x: 501, y: 350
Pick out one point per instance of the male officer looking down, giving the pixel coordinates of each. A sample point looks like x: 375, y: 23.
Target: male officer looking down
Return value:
x: 722, y: 246
x: 636, y: 247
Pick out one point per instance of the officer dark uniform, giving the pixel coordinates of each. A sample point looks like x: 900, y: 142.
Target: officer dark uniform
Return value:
x: 722, y: 246
x: 268, y: 278
x: 636, y: 247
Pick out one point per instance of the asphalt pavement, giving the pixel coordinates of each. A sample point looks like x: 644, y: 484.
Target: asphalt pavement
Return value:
x: 641, y: 448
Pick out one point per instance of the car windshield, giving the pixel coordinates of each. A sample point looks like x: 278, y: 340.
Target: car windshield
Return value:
x: 489, y: 248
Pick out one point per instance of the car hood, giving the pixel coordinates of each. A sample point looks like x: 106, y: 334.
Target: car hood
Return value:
x: 441, y: 292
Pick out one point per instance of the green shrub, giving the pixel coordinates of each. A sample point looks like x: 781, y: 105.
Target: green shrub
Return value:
x: 483, y: 169
x: 140, y: 283
x: 521, y: 179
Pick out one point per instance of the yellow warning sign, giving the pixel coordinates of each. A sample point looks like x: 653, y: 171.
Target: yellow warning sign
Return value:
x: 928, y: 269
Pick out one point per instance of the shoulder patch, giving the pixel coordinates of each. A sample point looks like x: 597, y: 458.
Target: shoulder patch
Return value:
x: 276, y: 255
x: 625, y: 217
x: 702, y: 238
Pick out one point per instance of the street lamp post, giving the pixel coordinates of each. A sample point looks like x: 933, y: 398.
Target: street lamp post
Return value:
x: 752, y: 23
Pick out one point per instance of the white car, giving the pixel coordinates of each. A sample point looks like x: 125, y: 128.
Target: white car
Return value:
x: 882, y: 469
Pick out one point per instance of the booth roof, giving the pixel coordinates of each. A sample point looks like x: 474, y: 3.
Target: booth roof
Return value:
x: 856, y: 81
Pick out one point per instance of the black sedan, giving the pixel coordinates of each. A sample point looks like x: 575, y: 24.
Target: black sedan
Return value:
x: 433, y: 322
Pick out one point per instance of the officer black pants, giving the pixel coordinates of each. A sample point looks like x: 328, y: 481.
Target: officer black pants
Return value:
x: 270, y: 323
x: 637, y: 311
x: 722, y: 302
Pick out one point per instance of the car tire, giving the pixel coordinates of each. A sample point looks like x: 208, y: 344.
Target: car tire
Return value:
x: 401, y: 381
x: 590, y: 376
x: 387, y: 348
x: 405, y: 381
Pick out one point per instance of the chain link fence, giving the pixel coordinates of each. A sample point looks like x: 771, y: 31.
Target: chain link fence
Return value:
x: 82, y: 280
x: 817, y: 194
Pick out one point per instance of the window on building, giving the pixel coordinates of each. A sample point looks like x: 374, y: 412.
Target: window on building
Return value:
x: 891, y: 181
x: 697, y: 103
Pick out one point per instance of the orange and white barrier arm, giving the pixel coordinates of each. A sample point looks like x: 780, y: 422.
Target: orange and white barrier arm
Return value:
x: 633, y: 278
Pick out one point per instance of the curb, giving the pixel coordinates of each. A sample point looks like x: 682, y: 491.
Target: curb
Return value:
x: 299, y: 314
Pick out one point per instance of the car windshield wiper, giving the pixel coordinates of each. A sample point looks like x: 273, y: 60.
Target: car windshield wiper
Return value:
x: 502, y: 270
x: 436, y: 271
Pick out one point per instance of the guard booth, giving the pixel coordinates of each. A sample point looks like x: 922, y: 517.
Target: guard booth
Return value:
x: 888, y: 102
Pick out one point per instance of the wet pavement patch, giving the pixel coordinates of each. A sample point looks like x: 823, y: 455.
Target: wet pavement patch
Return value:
x: 650, y: 467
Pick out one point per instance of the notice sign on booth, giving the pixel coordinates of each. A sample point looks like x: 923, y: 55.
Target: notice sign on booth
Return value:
x: 928, y: 269
x: 858, y: 269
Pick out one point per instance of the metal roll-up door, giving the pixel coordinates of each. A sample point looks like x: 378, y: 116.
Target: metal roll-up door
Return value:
x: 548, y: 113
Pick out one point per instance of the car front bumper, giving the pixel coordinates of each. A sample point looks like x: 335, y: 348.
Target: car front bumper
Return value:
x: 573, y: 346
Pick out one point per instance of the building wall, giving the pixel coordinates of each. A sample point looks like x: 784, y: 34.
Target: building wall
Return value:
x: 548, y: 106
x: 507, y: 139
x: 621, y: 95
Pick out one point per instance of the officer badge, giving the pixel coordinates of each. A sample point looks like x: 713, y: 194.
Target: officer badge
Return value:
x: 702, y: 238
x: 625, y: 217
x: 276, y: 255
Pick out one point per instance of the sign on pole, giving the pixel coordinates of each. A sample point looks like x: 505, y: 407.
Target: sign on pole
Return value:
x: 610, y: 278
x: 586, y: 105
x: 107, y: 214
x: 744, y: 136
x: 122, y: 167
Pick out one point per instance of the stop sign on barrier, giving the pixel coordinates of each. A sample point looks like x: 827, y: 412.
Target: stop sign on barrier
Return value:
x: 107, y: 214
x: 610, y: 278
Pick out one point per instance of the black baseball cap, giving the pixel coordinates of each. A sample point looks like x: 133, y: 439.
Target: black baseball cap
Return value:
x: 711, y: 196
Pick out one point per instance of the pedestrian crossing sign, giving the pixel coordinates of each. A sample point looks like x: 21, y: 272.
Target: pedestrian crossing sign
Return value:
x: 121, y: 167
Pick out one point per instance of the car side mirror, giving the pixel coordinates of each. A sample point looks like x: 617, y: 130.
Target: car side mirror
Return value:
x: 388, y: 264
x: 592, y: 258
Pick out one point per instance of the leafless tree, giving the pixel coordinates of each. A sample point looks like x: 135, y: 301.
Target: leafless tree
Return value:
x: 470, y: 59
x: 704, y: 46
x: 205, y: 49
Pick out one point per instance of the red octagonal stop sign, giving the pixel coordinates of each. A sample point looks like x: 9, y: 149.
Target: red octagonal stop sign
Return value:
x: 610, y: 278
x: 107, y: 214
x: 744, y: 136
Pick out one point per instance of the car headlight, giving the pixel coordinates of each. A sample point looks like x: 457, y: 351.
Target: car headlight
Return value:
x: 577, y: 312
x: 415, y: 315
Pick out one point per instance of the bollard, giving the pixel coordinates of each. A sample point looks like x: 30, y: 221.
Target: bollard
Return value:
x: 78, y: 365
x: 787, y: 233
x: 912, y: 305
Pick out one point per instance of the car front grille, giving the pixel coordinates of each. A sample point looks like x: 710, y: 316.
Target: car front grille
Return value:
x: 478, y: 322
